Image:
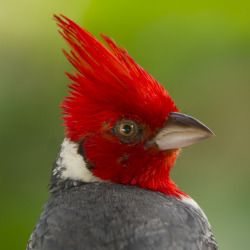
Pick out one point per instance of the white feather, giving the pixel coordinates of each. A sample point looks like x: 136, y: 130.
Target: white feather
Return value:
x: 72, y: 164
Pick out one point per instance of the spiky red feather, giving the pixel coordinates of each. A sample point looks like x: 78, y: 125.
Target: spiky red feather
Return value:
x: 107, y: 82
x: 109, y: 85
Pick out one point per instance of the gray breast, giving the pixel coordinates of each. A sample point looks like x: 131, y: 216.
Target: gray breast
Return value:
x: 105, y: 216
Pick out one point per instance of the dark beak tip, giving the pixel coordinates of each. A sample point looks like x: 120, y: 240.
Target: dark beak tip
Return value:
x: 180, y: 131
x: 210, y: 132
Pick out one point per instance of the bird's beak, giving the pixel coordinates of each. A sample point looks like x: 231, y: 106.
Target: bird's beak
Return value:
x: 180, y: 131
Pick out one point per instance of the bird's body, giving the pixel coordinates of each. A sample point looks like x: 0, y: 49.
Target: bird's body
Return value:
x: 108, y: 216
x: 110, y: 184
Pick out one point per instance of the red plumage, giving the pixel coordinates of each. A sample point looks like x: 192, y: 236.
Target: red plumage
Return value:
x: 107, y: 87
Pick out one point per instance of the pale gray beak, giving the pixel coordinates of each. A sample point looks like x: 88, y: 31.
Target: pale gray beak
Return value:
x: 180, y: 131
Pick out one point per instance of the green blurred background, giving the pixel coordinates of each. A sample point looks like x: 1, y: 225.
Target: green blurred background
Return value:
x: 200, y: 51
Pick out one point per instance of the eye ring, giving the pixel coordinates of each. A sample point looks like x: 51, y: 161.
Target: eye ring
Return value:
x: 126, y: 130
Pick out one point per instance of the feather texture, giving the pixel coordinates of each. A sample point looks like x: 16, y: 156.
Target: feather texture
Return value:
x: 104, y: 216
x: 110, y: 86
x: 107, y: 84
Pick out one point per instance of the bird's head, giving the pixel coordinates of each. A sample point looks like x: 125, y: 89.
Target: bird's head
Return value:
x: 124, y: 122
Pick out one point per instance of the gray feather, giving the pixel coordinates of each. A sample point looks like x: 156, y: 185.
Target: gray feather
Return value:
x: 105, y: 216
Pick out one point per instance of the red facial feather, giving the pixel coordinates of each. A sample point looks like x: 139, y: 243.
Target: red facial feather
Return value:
x: 109, y: 85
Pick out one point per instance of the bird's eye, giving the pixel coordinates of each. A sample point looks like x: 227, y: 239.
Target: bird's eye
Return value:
x: 126, y: 130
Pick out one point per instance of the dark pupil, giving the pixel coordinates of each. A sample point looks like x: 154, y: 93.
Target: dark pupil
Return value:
x: 126, y: 129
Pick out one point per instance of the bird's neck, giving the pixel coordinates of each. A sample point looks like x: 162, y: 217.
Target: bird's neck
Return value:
x: 70, y: 168
x: 156, y: 177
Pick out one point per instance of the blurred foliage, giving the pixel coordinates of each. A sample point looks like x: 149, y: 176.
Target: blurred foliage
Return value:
x: 200, y: 51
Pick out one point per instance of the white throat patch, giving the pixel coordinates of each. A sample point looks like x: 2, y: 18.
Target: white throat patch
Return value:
x: 71, y: 165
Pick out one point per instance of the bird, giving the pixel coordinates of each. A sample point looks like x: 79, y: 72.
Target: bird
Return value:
x: 110, y: 186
